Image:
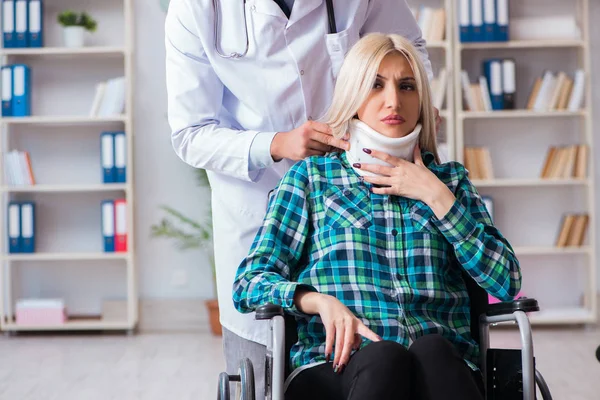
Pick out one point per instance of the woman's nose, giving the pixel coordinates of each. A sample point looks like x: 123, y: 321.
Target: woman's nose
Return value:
x: 392, y: 99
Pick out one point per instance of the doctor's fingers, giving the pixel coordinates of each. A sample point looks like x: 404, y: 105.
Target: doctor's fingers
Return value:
x: 318, y: 146
x: 330, y: 140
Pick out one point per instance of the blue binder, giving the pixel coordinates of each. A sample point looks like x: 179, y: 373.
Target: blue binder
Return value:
x: 477, y: 34
x: 120, y: 157
x: 8, y: 23
x: 108, y: 225
x: 21, y: 100
x: 27, y: 227
x: 14, y: 227
x: 36, y: 23
x: 21, y: 23
x: 107, y: 157
x: 490, y: 26
x: 492, y: 69
x: 7, y: 90
x: 464, y: 21
x: 502, y: 18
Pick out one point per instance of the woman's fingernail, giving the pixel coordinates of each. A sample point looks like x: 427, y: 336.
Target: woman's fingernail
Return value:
x: 367, y: 151
x: 356, y: 165
x: 335, y: 367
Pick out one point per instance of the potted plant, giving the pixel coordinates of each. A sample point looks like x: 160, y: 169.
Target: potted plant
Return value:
x: 189, y: 234
x: 74, y: 27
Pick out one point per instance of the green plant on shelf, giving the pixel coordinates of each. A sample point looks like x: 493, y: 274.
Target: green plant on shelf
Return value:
x: 72, y: 18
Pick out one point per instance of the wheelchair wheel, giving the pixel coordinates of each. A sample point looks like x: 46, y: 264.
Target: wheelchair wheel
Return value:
x: 246, y: 380
x: 223, y: 393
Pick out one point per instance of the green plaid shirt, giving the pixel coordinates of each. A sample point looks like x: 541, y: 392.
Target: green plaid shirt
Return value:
x: 387, y: 258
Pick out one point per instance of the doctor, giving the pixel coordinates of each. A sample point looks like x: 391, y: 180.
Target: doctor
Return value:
x: 245, y: 80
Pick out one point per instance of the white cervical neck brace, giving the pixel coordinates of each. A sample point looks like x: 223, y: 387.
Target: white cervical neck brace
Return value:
x: 362, y: 136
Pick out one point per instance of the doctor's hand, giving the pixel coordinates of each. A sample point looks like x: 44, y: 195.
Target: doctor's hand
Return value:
x: 309, y: 139
x: 412, y: 180
x: 343, y: 330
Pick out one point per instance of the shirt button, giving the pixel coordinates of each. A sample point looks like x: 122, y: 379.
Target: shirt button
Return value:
x: 394, y: 232
x: 253, y: 8
x: 346, y: 192
x: 301, y: 72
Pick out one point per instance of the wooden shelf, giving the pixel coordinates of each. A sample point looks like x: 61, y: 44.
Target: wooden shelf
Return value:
x: 100, y: 187
x: 519, y: 114
x: 523, y: 44
x: 71, y: 256
x: 562, y: 316
x: 65, y: 51
x: 62, y: 120
x: 73, y: 324
x: 550, y: 250
x: 535, y: 182
x: 437, y: 45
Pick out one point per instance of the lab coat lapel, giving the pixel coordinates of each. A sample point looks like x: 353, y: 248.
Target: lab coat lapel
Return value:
x: 269, y: 7
x: 302, y: 8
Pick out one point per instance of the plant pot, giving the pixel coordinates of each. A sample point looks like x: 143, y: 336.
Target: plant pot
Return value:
x: 74, y: 36
x: 213, y: 316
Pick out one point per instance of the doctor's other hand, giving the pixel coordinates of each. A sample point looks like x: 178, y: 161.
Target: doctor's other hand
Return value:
x: 309, y: 139
x: 438, y: 119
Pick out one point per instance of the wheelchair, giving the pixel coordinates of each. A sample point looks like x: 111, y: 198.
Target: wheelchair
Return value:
x: 508, y: 374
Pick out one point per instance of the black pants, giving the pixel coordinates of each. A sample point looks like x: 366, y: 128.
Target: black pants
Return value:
x: 431, y: 369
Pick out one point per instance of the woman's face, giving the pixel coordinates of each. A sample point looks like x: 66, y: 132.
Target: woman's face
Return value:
x: 392, y: 107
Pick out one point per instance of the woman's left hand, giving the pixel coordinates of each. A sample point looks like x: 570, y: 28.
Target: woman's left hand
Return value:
x: 412, y: 180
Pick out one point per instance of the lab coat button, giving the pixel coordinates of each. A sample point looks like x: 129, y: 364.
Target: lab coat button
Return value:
x: 253, y: 8
x: 301, y: 72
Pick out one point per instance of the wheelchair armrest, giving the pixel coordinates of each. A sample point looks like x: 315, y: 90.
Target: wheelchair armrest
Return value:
x: 268, y: 311
x: 521, y: 304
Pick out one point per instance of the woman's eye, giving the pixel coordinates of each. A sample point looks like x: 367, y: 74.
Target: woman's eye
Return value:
x: 407, y: 86
x: 377, y: 85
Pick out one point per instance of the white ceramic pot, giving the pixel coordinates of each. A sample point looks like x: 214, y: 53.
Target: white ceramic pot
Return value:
x: 74, y: 36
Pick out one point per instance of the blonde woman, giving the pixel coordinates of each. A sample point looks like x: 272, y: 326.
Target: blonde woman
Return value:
x: 366, y: 248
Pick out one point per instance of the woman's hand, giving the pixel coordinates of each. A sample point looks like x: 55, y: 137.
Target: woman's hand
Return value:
x: 412, y: 180
x: 341, y: 326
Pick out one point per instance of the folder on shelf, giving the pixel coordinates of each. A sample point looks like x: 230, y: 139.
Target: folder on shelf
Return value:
x: 14, y: 227
x: 27, y: 227
x: 21, y: 23
x: 509, y: 83
x: 21, y: 97
x: 108, y: 225
x: 477, y: 21
x: 107, y: 157
x: 120, y: 148
x: 493, y: 72
x: 502, y: 20
x: 464, y: 20
x: 489, y: 21
x: 8, y: 23
x: 7, y: 91
x: 120, y: 225
x: 36, y: 23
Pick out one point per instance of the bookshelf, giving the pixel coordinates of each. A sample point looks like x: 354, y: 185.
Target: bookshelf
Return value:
x: 529, y: 210
x: 64, y: 142
x: 441, y: 56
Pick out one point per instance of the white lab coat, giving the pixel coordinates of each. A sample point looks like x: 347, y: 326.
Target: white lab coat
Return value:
x: 224, y: 113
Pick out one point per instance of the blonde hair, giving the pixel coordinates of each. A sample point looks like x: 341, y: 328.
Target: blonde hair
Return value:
x: 357, y: 76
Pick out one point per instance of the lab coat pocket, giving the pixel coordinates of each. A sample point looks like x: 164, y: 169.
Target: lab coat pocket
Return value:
x: 338, y: 45
x: 347, y: 208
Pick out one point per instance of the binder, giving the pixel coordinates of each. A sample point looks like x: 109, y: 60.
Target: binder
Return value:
x: 7, y: 91
x: 489, y: 21
x: 509, y: 83
x: 502, y: 20
x: 120, y: 157
x: 21, y: 100
x: 120, y: 225
x: 493, y: 72
x: 8, y: 23
x: 107, y: 156
x: 477, y: 21
x: 14, y: 227
x: 36, y: 23
x: 27, y: 227
x: 108, y: 225
x: 21, y: 23
x: 464, y: 21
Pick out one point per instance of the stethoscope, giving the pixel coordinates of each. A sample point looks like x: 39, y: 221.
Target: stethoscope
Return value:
x: 330, y: 17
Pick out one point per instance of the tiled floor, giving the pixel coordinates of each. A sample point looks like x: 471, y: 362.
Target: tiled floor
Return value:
x: 183, y: 366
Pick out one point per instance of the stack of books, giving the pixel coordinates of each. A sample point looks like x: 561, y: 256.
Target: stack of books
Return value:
x: 17, y: 169
x: 479, y: 163
x: 109, y: 99
x: 557, y: 92
x: 566, y: 162
x: 572, y: 231
x: 432, y: 22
